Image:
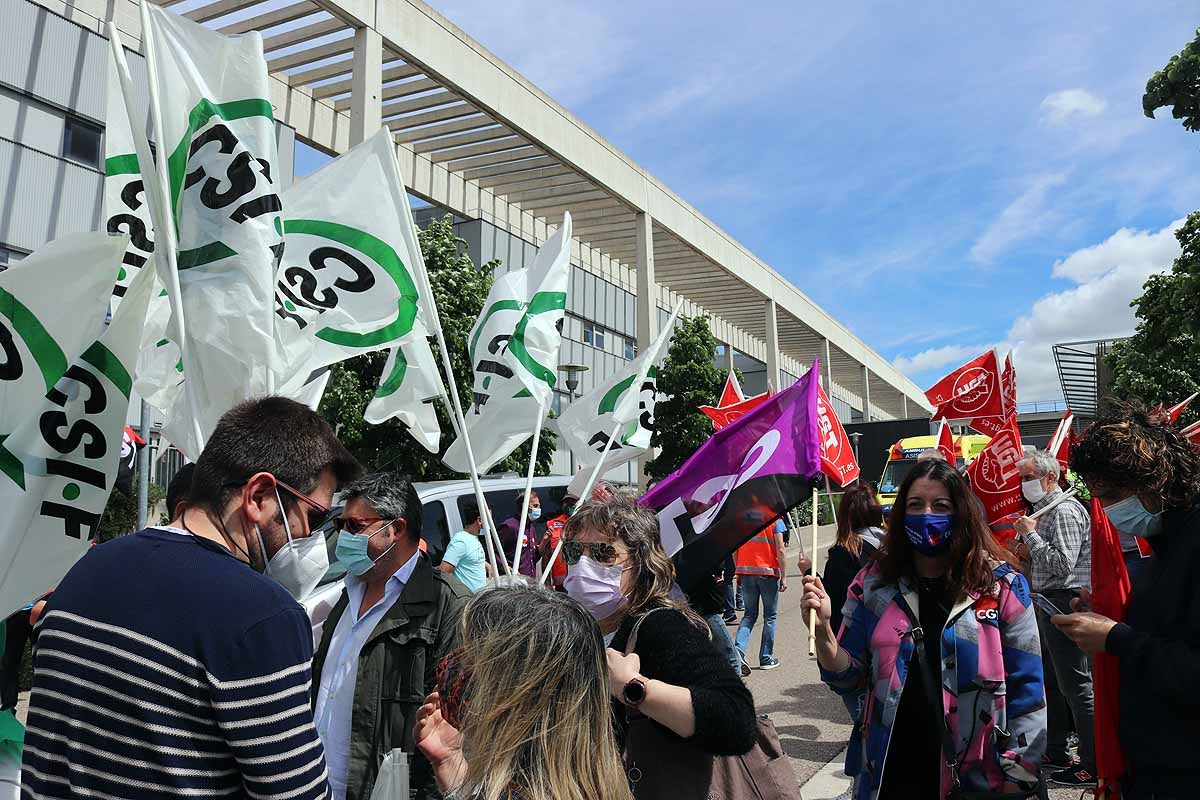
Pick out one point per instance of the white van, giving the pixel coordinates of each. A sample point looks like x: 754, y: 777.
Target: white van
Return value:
x: 441, y: 517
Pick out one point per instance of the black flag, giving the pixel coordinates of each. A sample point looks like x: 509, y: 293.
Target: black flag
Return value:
x: 131, y: 444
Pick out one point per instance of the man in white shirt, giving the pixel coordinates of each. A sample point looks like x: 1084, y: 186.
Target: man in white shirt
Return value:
x: 397, y: 618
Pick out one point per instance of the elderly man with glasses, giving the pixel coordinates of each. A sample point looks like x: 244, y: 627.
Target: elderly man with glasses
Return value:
x: 395, y: 621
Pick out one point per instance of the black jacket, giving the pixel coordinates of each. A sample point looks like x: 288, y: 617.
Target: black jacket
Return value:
x: 1159, y: 651
x: 395, y: 672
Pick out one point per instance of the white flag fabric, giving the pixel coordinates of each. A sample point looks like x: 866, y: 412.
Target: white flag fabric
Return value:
x: 532, y: 352
x: 407, y: 390
x: 52, y: 305
x: 58, y: 465
x: 626, y: 399
x: 126, y: 208
x: 218, y: 138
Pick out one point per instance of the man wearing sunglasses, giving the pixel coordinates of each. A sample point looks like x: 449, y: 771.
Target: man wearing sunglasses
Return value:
x: 395, y: 621
x: 172, y: 662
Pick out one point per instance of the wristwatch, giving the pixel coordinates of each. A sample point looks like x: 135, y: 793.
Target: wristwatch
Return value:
x: 634, y: 692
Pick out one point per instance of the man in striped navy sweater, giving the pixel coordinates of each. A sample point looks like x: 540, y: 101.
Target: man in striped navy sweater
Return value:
x: 166, y: 663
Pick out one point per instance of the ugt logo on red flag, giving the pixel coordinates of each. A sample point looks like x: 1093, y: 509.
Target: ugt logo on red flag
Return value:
x: 837, y: 456
x: 972, y: 390
x: 994, y: 474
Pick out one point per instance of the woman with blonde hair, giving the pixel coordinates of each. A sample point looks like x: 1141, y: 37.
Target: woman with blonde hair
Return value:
x: 522, y: 710
x: 662, y: 663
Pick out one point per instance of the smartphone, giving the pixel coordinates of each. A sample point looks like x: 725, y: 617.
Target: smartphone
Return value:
x: 1044, y: 604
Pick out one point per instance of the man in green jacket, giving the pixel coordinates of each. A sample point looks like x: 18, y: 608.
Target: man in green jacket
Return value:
x: 396, y: 619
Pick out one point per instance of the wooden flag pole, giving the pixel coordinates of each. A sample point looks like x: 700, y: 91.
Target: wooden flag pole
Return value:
x: 586, y: 493
x: 537, y: 438
x: 812, y: 612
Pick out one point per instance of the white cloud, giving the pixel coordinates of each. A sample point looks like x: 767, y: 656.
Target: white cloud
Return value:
x: 1061, y: 107
x: 1108, y: 276
x: 946, y: 356
x: 1024, y: 217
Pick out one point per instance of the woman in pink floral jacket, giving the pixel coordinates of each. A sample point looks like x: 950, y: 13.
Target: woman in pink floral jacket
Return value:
x: 940, y: 594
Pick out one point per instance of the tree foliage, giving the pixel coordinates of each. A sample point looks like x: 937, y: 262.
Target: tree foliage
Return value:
x: 120, y: 513
x: 460, y: 290
x: 1177, y: 85
x: 1161, y: 361
x: 688, y: 379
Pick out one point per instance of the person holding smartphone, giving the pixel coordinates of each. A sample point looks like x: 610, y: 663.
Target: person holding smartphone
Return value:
x: 1057, y: 548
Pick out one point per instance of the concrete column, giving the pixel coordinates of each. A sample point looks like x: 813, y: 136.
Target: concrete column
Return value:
x: 904, y: 397
x: 866, y: 382
x: 828, y: 371
x: 647, y: 303
x: 773, y: 383
x: 728, y: 357
x: 366, y: 85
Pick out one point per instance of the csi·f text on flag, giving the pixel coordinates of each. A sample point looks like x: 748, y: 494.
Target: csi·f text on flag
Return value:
x: 742, y: 479
x: 733, y: 404
x: 972, y: 390
x: 58, y: 465
x: 837, y: 456
x: 1110, y: 597
x: 623, y: 403
x: 994, y: 475
x: 509, y: 347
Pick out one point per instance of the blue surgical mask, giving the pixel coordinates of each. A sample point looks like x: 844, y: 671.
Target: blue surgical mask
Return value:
x: 535, y: 512
x: 929, y: 533
x: 1131, y: 518
x: 352, y: 551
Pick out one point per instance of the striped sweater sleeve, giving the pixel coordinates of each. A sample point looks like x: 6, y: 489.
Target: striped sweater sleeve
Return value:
x: 261, y: 705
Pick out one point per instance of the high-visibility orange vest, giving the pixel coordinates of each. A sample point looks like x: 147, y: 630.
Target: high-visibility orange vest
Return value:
x: 758, y: 556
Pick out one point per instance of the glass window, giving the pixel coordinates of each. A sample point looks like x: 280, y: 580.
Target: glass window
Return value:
x: 435, y: 530
x: 630, y: 349
x: 81, y: 142
x: 598, y: 338
x: 589, y: 333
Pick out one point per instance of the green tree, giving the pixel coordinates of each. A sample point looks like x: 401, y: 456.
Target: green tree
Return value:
x: 459, y: 289
x: 689, y: 379
x: 120, y: 513
x: 1161, y: 361
x: 1177, y: 85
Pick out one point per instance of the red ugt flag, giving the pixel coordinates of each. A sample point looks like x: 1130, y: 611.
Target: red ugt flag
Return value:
x: 994, y: 476
x: 1008, y: 392
x: 1176, y: 410
x: 1110, y: 597
x: 972, y: 390
x: 837, y: 456
x: 946, y: 444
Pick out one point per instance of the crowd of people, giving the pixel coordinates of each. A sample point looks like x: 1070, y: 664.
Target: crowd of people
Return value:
x: 177, y: 660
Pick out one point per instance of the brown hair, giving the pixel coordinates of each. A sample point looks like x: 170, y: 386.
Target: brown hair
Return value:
x: 1130, y: 448
x: 973, y: 553
x: 858, y: 510
x: 636, y: 527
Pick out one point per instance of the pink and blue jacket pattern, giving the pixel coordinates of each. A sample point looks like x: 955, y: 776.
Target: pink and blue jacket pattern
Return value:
x: 992, y: 692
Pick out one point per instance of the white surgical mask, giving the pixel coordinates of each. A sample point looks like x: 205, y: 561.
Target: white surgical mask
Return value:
x: 1131, y: 518
x: 596, y: 587
x: 1033, y: 490
x: 535, y: 512
x: 300, y: 564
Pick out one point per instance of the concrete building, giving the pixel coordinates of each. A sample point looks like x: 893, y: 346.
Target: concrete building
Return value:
x: 474, y: 139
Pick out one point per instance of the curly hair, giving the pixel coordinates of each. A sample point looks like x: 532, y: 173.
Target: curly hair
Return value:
x: 623, y: 518
x: 1131, y: 448
x: 973, y: 553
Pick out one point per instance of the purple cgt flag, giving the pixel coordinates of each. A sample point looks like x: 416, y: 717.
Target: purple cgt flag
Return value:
x: 741, y: 480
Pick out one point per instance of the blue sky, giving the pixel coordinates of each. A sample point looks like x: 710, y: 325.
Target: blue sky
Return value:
x: 941, y: 177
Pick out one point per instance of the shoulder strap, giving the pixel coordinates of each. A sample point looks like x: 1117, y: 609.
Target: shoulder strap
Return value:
x: 933, y: 689
x: 631, y: 642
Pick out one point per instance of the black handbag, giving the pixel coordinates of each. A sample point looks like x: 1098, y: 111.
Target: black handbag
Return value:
x: 933, y: 690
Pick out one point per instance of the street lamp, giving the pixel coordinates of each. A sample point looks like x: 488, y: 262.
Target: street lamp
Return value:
x: 854, y: 437
x: 573, y: 372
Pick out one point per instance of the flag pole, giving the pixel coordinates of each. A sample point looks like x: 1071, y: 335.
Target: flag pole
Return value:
x: 812, y: 612
x: 586, y: 493
x: 164, y: 219
x: 537, y: 437
x: 456, y: 409
x: 143, y: 465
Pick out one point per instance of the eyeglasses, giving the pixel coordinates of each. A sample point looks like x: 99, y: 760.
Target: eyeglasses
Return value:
x: 357, y: 526
x: 603, y: 552
x: 318, y: 514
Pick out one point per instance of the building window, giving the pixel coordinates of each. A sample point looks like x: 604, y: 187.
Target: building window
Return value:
x: 593, y: 335
x: 81, y: 142
x: 630, y: 349
x: 9, y: 256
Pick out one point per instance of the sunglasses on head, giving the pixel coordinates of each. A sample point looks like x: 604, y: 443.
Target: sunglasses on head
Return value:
x: 602, y: 552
